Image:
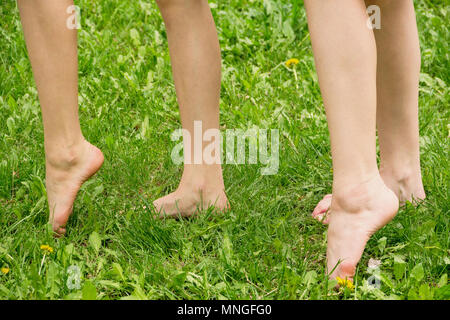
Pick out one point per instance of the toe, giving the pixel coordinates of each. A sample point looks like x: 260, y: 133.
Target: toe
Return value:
x: 59, y: 230
x: 324, y: 218
x: 344, y: 275
x: 322, y: 208
x: 157, y: 205
x: 346, y: 270
x: 59, y: 220
x: 163, y: 207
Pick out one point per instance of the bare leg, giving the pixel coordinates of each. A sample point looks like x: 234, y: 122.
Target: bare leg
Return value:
x: 195, y: 54
x: 70, y: 159
x: 398, y: 70
x: 398, y: 91
x: 345, y: 55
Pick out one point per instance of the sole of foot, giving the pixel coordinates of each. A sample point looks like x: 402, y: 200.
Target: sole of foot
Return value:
x: 63, y: 182
x: 407, y: 190
x: 358, y: 213
x: 186, y: 203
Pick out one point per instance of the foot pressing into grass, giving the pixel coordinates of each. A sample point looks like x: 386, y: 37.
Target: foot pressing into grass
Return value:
x: 408, y: 188
x: 190, y: 201
x: 65, y: 175
x: 358, y: 212
x: 199, y: 189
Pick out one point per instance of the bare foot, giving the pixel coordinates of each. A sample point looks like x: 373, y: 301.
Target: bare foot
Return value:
x: 358, y: 212
x: 406, y: 187
x: 198, y: 190
x: 64, y: 177
x: 186, y: 202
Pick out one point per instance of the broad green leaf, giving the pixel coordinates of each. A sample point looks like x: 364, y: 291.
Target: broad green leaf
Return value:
x: 118, y: 271
x: 425, y: 292
x: 443, y: 281
x: 138, y: 293
x: 89, y: 292
x: 443, y: 293
x: 382, y: 244
x: 98, y: 190
x: 332, y: 283
x: 287, y: 29
x: 134, y: 34
x: 227, y: 249
x: 10, y: 123
x: 12, y: 103
x: 412, y: 294
x: 310, y: 278
x: 427, y: 79
x: 399, y: 267
x: 268, y: 6
x: 95, y: 241
x: 417, y: 272
x: 178, y: 280
x: 109, y: 283
x: 67, y: 253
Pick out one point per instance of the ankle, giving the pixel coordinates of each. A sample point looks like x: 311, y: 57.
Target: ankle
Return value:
x: 202, y: 178
x: 65, y: 156
x: 405, y: 181
x: 353, y: 198
x: 401, y: 174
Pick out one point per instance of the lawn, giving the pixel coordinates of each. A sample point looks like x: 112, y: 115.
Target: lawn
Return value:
x: 267, y: 246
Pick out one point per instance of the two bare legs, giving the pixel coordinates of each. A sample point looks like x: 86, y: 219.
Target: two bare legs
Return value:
x: 70, y: 159
x: 368, y: 79
x: 398, y: 69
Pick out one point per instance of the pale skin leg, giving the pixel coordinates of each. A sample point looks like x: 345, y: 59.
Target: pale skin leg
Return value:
x: 70, y: 159
x: 398, y: 94
x: 346, y: 60
x: 398, y: 70
x: 195, y: 56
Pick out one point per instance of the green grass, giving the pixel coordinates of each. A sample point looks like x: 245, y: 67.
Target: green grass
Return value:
x: 267, y: 246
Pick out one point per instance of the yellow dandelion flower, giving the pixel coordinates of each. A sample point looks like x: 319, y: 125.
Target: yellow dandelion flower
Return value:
x: 46, y: 248
x: 345, y: 283
x: 4, y: 270
x: 291, y: 62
